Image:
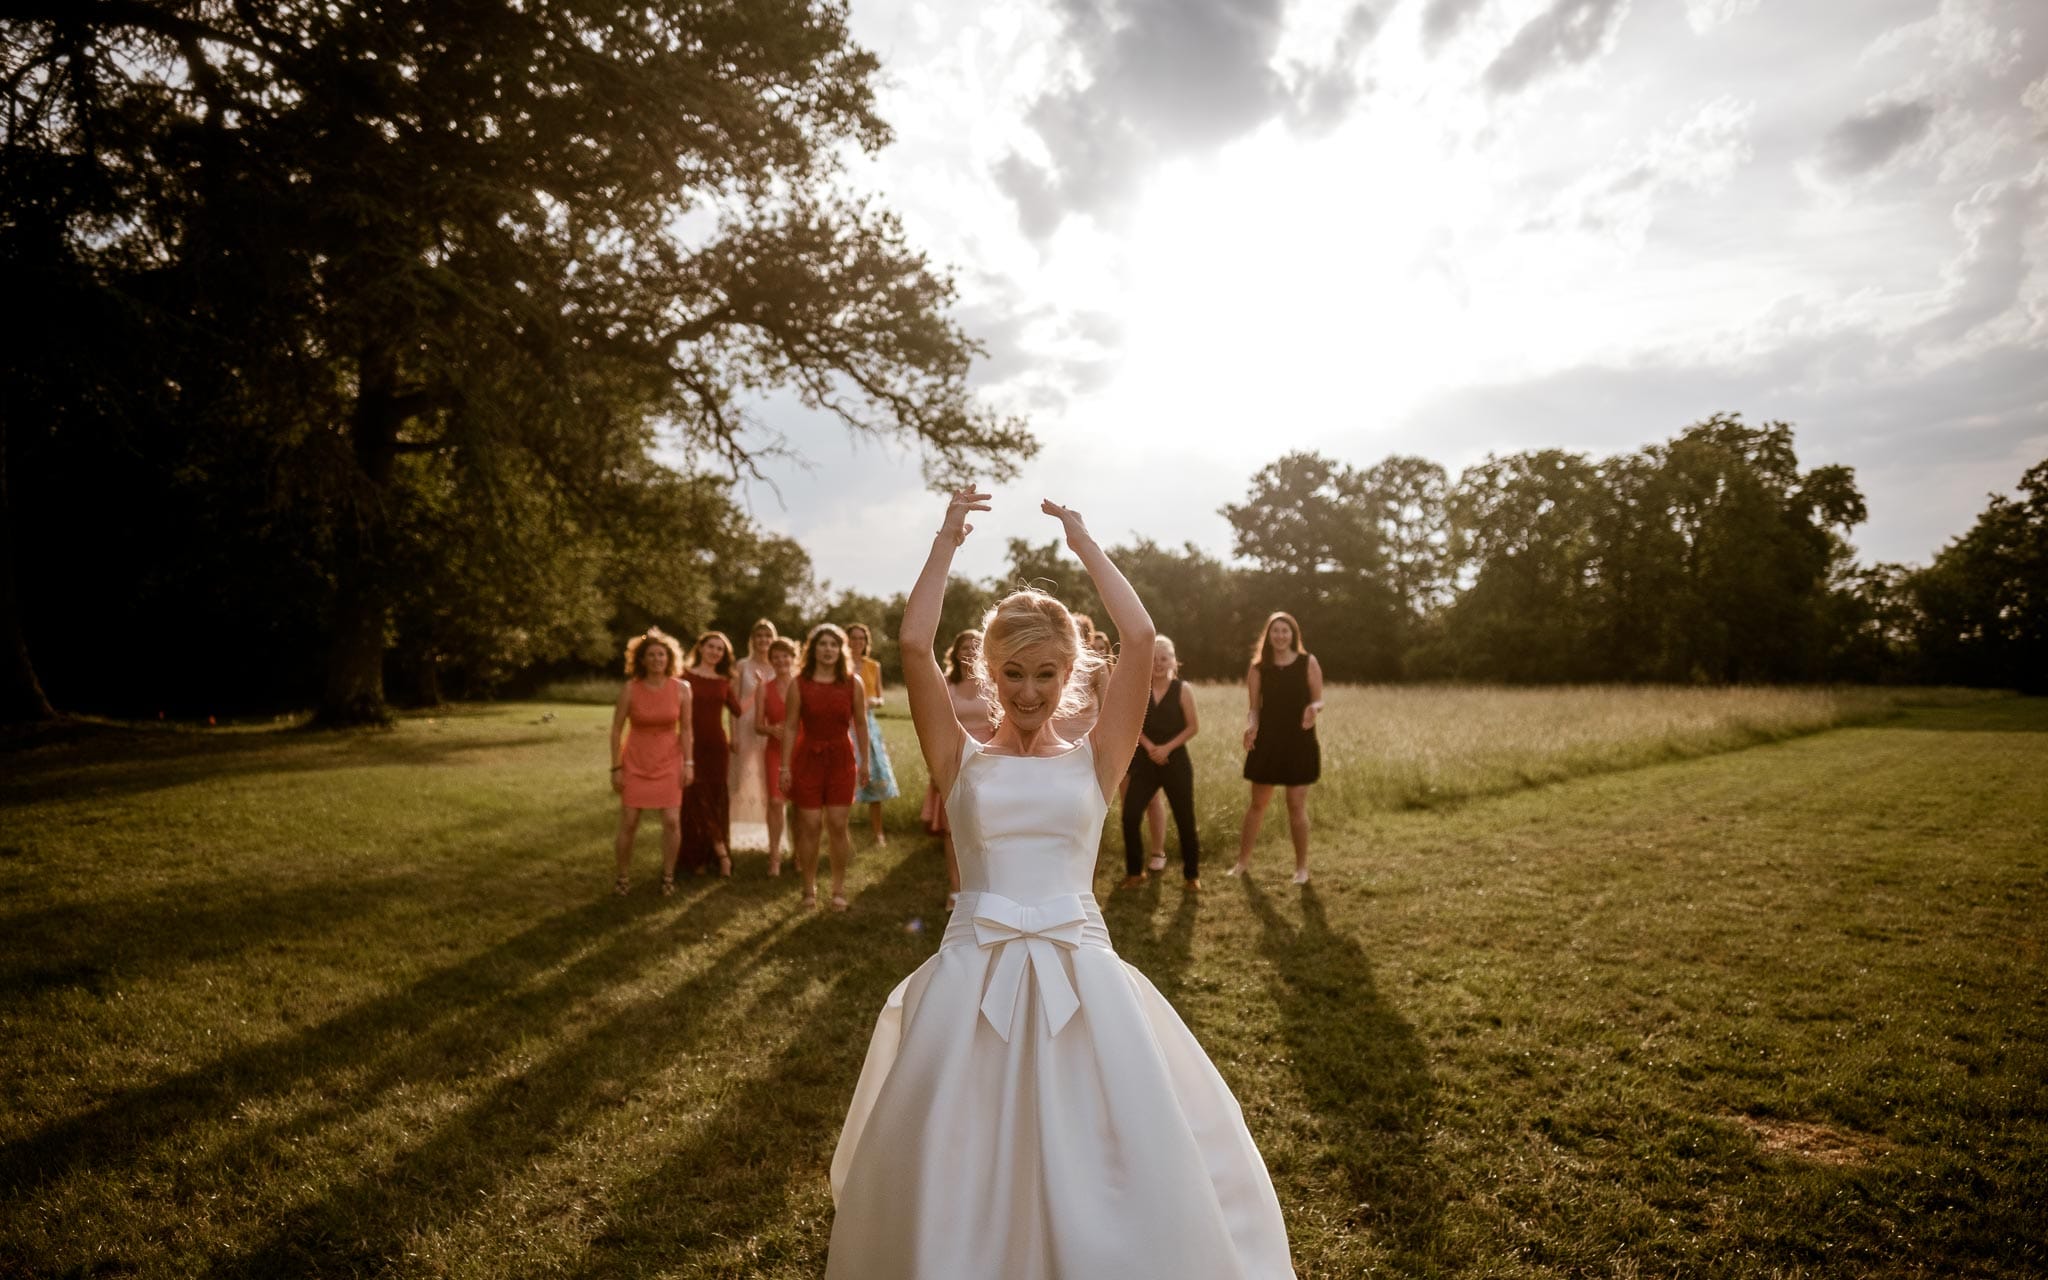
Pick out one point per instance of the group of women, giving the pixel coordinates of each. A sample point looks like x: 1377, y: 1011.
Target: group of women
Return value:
x: 720, y: 746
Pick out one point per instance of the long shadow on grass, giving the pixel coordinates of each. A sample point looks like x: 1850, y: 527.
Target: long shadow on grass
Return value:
x: 1362, y: 1069
x: 523, y: 1115
x: 114, y: 764
x: 478, y: 1005
x: 739, y: 1185
x: 1162, y: 952
x: 96, y: 945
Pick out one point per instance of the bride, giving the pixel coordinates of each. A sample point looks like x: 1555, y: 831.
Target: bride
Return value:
x: 1031, y: 1107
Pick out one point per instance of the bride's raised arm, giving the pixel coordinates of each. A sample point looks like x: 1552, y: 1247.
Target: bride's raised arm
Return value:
x: 1122, y: 716
x: 939, y: 734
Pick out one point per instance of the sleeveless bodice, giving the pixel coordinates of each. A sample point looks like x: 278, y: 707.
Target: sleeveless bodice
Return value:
x: 1283, y: 693
x: 1164, y: 719
x: 1027, y: 827
x: 827, y: 715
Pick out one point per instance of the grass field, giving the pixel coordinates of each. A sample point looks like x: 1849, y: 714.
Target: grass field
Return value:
x: 1579, y: 989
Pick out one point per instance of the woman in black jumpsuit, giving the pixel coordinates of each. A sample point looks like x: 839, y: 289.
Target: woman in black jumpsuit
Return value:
x: 1161, y: 762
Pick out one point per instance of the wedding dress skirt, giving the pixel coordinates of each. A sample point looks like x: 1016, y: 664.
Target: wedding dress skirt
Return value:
x: 1031, y: 1107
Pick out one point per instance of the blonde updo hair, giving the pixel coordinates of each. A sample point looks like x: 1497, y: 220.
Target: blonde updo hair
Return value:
x: 1030, y: 620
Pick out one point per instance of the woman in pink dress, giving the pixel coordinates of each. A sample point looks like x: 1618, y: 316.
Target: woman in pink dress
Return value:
x: 748, y: 803
x: 651, y: 749
x: 706, y: 812
x: 771, y: 703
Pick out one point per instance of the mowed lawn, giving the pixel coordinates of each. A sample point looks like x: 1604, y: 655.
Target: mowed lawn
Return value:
x: 1597, y: 982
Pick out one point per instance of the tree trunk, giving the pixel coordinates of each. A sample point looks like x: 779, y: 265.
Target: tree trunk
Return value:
x: 354, y: 692
x: 21, y: 695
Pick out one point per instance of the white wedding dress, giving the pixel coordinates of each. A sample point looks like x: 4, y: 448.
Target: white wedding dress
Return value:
x: 1031, y: 1107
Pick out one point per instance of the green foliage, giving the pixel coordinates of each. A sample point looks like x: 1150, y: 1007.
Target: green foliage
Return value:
x: 1983, y: 604
x: 523, y: 243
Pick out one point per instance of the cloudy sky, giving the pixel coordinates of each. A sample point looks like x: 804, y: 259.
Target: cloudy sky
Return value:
x: 1196, y: 234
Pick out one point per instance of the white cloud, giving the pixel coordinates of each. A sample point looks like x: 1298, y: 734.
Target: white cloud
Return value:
x: 1705, y: 15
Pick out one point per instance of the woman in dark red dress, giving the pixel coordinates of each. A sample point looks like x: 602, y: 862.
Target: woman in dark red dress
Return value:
x: 706, y: 800
x: 830, y: 758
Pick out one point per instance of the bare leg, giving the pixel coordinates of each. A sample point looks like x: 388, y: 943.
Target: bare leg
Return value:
x: 841, y: 842
x: 622, y: 844
x: 671, y: 846
x: 724, y: 859
x: 1155, y: 832
x: 1254, y: 815
x: 952, y: 871
x: 775, y: 837
x: 808, y: 822
x: 1297, y: 828
x: 875, y: 822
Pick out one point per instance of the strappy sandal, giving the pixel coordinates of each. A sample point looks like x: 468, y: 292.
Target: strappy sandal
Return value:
x: 1157, y: 864
x: 838, y: 903
x: 668, y: 886
x: 810, y: 898
x: 620, y: 886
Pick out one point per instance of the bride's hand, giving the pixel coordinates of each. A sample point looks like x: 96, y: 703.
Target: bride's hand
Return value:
x: 955, y: 524
x: 1070, y: 521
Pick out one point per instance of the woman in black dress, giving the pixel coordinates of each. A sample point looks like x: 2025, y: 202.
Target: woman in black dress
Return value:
x: 1286, y: 687
x: 1161, y: 764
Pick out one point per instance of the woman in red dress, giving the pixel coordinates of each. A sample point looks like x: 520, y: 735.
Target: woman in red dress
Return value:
x: 651, y: 749
x: 771, y: 704
x: 707, y: 801
x: 830, y: 759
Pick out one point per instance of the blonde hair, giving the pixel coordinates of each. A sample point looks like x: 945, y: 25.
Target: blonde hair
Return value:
x: 1030, y: 620
x: 662, y: 638
x: 1166, y: 643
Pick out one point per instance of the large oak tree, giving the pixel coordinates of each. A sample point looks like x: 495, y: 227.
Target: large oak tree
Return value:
x: 463, y: 261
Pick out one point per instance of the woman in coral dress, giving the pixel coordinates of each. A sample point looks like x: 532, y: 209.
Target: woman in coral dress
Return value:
x: 650, y: 753
x: 1031, y: 1107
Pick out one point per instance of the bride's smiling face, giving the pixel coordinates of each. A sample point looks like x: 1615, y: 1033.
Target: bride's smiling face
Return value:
x: 1029, y: 684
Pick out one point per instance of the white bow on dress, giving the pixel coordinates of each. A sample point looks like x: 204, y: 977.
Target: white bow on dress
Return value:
x: 1038, y: 933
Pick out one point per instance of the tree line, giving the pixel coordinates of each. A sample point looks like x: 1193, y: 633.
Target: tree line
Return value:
x: 1711, y: 557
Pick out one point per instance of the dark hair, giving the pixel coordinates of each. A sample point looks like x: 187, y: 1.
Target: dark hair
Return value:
x: 783, y: 644
x: 1259, y: 655
x: 724, y: 666
x: 637, y: 649
x: 845, y: 671
x: 956, y: 670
